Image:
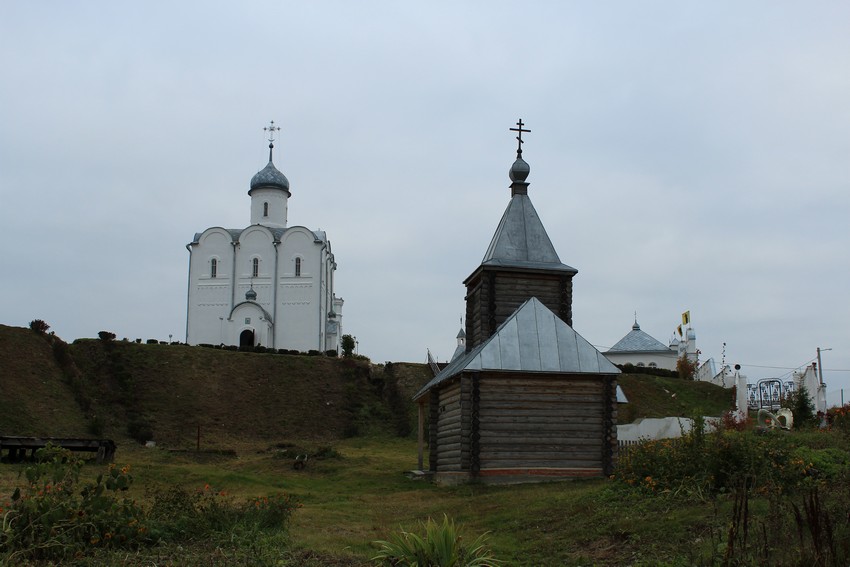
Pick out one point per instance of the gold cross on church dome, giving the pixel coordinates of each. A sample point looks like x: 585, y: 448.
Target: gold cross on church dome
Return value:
x: 271, y: 129
x: 519, y: 130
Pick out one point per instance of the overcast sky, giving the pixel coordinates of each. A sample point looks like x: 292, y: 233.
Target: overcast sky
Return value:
x: 684, y: 156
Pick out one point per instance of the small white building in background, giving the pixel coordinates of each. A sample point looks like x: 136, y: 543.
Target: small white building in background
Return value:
x: 268, y: 284
x: 640, y: 349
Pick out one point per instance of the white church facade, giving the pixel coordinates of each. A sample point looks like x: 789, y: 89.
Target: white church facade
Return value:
x: 269, y: 284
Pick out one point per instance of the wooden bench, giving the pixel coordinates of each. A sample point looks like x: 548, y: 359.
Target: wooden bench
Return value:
x: 17, y: 447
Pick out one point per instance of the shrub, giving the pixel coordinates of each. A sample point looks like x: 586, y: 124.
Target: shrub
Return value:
x: 630, y: 368
x: 139, y: 429
x: 724, y: 461
x: 210, y: 514
x: 152, y: 342
x: 441, y: 544
x: 348, y: 343
x: 52, y: 518
x: 686, y: 368
x: 801, y: 406
x: 106, y: 336
x: 839, y: 419
x: 39, y: 326
x: 95, y: 425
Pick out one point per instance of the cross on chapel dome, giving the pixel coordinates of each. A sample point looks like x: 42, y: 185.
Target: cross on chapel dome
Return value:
x: 520, y: 169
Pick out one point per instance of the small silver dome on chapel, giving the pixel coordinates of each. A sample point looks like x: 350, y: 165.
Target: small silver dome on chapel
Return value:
x: 519, y: 170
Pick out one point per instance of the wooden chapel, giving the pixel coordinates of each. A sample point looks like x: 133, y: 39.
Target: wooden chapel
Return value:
x: 530, y: 399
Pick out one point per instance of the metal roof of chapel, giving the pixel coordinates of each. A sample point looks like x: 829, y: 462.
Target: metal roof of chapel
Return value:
x: 521, y: 240
x: 532, y: 339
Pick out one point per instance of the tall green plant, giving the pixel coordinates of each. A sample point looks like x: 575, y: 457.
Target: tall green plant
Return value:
x: 800, y: 404
x: 440, y: 546
x: 348, y: 343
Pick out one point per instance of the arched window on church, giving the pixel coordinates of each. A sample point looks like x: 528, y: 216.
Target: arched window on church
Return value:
x: 298, y: 267
x: 255, y: 267
x: 653, y: 365
x: 265, y: 209
x: 213, y: 268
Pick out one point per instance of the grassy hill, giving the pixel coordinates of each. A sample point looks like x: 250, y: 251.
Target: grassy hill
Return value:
x: 353, y: 492
x: 36, y: 398
x: 171, y: 393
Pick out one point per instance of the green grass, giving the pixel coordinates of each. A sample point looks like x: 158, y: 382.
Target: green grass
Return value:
x: 363, y: 496
x: 258, y: 405
x: 359, y: 495
x: 656, y: 396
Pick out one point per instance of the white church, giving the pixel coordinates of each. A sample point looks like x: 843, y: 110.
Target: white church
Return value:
x: 268, y: 284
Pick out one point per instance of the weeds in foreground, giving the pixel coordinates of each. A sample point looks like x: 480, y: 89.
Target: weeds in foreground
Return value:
x: 788, y: 503
x: 441, y: 545
x: 56, y: 517
x: 715, y: 463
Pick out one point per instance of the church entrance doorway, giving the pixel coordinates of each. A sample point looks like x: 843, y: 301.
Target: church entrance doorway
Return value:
x: 246, y: 338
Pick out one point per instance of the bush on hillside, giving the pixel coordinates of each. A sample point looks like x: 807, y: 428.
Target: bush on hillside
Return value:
x: 106, y: 336
x: 39, y: 326
x: 629, y: 368
x: 686, y: 368
x: 348, y: 343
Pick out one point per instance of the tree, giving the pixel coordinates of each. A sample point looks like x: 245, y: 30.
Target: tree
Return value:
x: 348, y: 344
x: 106, y: 336
x: 686, y: 368
x: 800, y: 404
x: 39, y: 326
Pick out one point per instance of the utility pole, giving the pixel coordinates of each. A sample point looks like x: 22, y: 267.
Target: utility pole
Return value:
x: 820, y: 366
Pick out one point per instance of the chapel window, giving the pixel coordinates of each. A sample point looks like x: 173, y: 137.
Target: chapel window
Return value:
x: 298, y: 267
x: 265, y: 209
x: 213, y: 268
x: 653, y: 365
x: 255, y: 267
x: 640, y: 365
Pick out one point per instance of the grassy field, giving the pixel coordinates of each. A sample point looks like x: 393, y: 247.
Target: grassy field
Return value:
x: 255, y: 412
x: 359, y: 494
x: 354, y: 492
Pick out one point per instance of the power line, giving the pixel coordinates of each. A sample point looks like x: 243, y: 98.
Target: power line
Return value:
x: 774, y: 367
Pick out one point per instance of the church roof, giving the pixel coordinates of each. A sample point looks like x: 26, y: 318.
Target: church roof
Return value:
x: 532, y: 339
x: 277, y: 233
x: 638, y: 341
x: 269, y: 177
x: 521, y: 240
x: 459, y: 351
